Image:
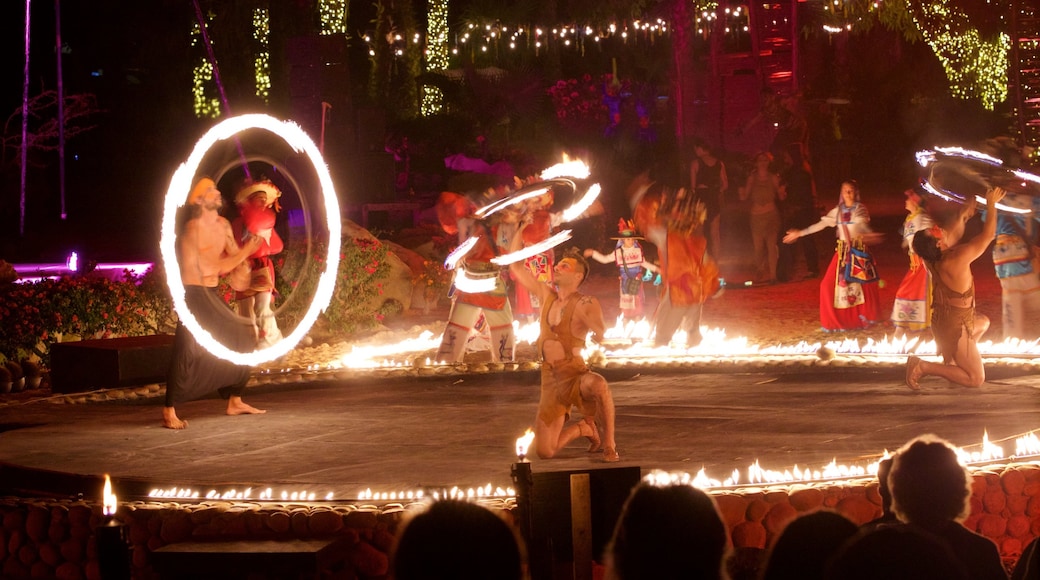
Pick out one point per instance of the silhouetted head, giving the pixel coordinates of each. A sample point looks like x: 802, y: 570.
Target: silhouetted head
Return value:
x: 807, y: 544
x: 929, y: 485
x: 459, y: 540
x: 667, y: 532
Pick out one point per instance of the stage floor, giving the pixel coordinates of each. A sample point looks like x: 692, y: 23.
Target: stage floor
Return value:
x: 345, y: 437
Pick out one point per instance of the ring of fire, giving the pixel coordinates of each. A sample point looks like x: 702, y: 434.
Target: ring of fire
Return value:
x: 182, y: 181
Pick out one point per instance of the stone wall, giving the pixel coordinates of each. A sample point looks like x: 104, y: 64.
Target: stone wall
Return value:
x: 47, y: 538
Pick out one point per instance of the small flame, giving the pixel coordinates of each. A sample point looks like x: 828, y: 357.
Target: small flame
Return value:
x: 109, y: 502
x: 524, y: 443
x: 567, y: 168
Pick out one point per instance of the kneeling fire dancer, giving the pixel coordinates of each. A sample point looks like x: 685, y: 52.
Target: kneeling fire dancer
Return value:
x: 567, y: 316
x: 956, y: 325
x: 206, y: 249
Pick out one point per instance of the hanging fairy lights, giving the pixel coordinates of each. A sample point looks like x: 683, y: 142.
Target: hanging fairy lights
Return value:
x: 204, y: 103
x: 333, y: 16
x: 976, y: 67
x: 436, y: 54
x: 262, y: 60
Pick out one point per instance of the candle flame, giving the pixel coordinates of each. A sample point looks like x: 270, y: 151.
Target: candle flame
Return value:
x: 109, y: 502
x: 524, y: 443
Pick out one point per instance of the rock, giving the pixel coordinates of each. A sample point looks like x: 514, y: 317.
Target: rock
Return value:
x: 749, y: 535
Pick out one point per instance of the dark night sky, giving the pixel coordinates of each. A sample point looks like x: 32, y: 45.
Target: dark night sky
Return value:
x: 134, y: 56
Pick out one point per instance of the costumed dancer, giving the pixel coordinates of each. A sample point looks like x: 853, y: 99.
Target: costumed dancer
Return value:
x: 628, y: 255
x: 468, y: 308
x: 206, y: 249
x: 956, y: 325
x: 845, y: 305
x: 690, y: 276
x: 257, y: 203
x: 539, y: 228
x: 912, y: 311
x: 1016, y: 262
x: 567, y: 317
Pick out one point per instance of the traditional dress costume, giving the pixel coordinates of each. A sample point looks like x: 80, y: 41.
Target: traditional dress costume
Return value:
x: 912, y: 310
x: 846, y: 305
x: 1015, y: 262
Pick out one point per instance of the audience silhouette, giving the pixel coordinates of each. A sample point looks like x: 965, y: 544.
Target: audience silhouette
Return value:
x: 886, y: 517
x: 1028, y: 566
x: 668, y: 532
x: 807, y: 544
x: 896, y: 552
x: 931, y: 491
x: 458, y: 540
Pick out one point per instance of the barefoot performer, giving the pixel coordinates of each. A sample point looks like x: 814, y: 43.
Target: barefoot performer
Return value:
x: 206, y: 249
x: 955, y: 324
x: 567, y: 316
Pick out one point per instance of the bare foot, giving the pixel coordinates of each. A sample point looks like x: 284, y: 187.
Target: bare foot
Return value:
x: 587, y: 428
x: 610, y: 455
x: 170, y: 420
x: 913, y: 372
x: 236, y: 406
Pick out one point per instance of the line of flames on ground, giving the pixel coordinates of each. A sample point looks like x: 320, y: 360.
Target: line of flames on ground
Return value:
x: 981, y: 456
x: 632, y: 341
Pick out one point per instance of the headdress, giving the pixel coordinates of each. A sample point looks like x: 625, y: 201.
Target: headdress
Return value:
x: 266, y: 187
x: 627, y: 231
x: 200, y: 189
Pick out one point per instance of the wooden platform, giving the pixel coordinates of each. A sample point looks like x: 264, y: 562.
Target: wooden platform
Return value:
x: 89, y: 365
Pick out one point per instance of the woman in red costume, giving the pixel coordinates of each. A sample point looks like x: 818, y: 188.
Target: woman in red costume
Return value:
x: 257, y: 203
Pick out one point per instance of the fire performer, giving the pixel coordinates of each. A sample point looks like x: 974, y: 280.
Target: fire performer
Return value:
x: 955, y: 323
x: 674, y: 222
x: 539, y: 229
x: 257, y: 203
x: 568, y: 316
x: 455, y: 213
x: 206, y: 249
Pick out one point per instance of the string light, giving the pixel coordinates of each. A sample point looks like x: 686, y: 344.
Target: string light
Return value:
x: 262, y: 60
x: 204, y: 106
x: 333, y: 16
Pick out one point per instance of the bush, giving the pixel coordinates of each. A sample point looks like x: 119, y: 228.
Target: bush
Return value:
x: 355, y: 303
x: 36, y: 315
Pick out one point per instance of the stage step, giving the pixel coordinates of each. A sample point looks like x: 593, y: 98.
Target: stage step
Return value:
x: 312, y: 558
x: 89, y: 365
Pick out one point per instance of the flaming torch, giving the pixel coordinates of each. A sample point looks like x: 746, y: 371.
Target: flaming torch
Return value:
x: 523, y: 481
x: 112, y: 539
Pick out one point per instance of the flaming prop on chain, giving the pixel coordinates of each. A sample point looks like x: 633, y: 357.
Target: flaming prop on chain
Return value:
x: 182, y: 181
x: 560, y: 174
